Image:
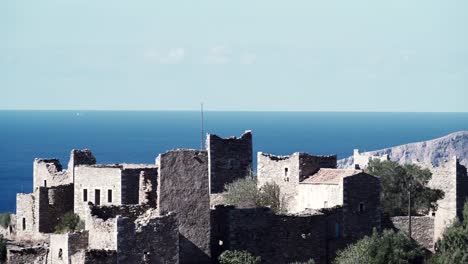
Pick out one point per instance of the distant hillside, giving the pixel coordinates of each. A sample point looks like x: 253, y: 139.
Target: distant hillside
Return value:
x: 433, y: 151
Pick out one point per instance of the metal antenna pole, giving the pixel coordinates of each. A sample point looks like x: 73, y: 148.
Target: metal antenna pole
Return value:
x: 202, y: 128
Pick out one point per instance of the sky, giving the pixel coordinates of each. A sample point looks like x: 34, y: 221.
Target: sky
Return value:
x: 237, y: 55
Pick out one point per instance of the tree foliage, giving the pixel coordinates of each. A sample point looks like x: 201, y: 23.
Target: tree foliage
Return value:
x: 397, y: 180
x: 238, y: 257
x: 453, y: 247
x: 389, y: 247
x: 5, y: 219
x: 244, y: 193
x: 70, y: 222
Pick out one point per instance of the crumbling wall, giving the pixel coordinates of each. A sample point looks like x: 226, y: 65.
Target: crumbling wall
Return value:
x: 131, y: 182
x: 281, y: 170
x: 462, y: 188
x: 422, y: 229
x: 49, y: 172
x: 361, y: 161
x: 80, y: 157
x: 275, y: 238
x: 96, y: 177
x: 20, y: 255
x: 361, y: 205
x: 147, y: 189
x: 229, y: 159
x: 100, y: 256
x: 25, y: 215
x: 310, y: 164
x: 148, y: 239
x: 52, y: 204
x: 183, y: 189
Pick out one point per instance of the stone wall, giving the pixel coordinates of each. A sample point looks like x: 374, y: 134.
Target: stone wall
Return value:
x: 96, y: 177
x: 67, y: 248
x: 100, y: 256
x: 80, y: 157
x: 183, y: 188
x: 52, y: 204
x: 310, y: 164
x: 25, y: 215
x: 361, y: 205
x: 281, y: 170
x: 147, y: 189
x: 422, y: 229
x: 360, y: 161
x: 229, y: 159
x: 275, y: 238
x: 49, y: 172
x: 148, y: 239
x: 131, y: 182
x: 33, y: 255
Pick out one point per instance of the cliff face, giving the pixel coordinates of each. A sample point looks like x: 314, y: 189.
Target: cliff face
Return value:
x: 434, y: 151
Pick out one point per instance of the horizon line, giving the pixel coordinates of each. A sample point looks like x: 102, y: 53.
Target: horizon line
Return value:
x: 217, y: 110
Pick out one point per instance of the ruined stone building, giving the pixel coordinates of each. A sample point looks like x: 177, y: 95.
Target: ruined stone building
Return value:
x: 450, y: 177
x: 163, y: 212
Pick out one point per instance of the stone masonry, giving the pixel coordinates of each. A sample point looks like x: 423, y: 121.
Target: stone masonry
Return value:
x: 183, y: 189
x: 229, y: 159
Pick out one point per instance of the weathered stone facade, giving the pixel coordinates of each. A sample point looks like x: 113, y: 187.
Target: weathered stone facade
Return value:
x: 362, y: 160
x: 229, y: 159
x: 422, y: 229
x: 183, y: 189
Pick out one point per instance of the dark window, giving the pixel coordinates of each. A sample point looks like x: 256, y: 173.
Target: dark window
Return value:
x: 361, y: 207
x: 60, y: 254
x: 85, y: 195
x: 24, y: 223
x: 337, y: 230
x: 109, y: 196
x: 285, y: 172
x: 45, y: 183
x: 97, y: 197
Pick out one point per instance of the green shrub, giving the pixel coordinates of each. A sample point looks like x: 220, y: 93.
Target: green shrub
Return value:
x: 386, y: 248
x: 70, y: 222
x: 453, y: 247
x: 238, y: 257
x: 244, y: 193
x: 5, y: 219
x: 2, y: 249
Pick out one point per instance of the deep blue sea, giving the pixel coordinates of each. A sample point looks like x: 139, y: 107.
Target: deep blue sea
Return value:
x: 138, y: 137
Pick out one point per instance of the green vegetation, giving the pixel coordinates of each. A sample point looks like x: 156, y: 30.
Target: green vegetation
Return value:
x: 397, y: 180
x: 238, y: 257
x: 2, y: 249
x: 386, y: 248
x: 70, y: 222
x: 5, y: 219
x: 453, y: 247
x: 244, y: 193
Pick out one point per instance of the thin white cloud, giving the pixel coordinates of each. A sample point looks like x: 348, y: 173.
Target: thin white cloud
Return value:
x: 248, y: 58
x: 172, y: 56
x: 219, y: 55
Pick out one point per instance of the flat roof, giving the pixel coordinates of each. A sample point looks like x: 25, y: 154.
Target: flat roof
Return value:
x: 330, y: 176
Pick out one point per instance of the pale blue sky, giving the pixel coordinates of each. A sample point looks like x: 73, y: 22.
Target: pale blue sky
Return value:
x: 300, y: 55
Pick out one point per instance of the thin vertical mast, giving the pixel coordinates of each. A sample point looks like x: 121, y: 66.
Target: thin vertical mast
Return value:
x: 202, y: 128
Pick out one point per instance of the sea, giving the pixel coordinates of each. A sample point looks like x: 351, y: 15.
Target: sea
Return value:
x: 139, y: 136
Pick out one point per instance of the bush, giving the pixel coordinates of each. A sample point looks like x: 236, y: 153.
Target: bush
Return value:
x: 5, y: 219
x: 238, y: 257
x: 386, y: 248
x: 2, y: 249
x: 244, y: 193
x: 70, y: 222
x: 453, y: 247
